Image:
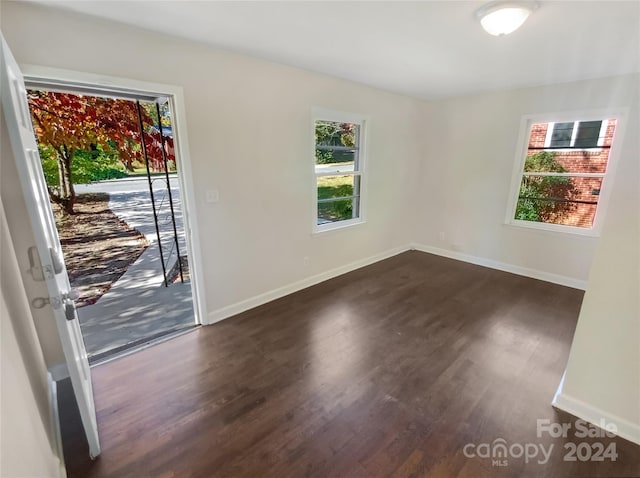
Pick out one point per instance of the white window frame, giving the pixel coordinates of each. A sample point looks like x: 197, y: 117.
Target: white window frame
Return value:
x: 322, y: 114
x: 620, y: 115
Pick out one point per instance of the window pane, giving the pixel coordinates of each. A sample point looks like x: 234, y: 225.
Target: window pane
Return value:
x: 570, y: 201
x: 338, y: 210
x: 333, y: 133
x: 336, y: 161
x: 330, y: 187
x: 561, y: 135
x: 587, y: 135
x: 574, y: 161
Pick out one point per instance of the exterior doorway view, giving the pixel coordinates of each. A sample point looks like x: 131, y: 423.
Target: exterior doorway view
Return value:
x: 110, y: 165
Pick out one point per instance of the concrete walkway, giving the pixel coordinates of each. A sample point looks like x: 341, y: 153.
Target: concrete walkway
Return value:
x: 138, y: 308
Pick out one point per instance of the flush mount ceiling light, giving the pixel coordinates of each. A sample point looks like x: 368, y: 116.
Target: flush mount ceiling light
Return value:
x: 502, y: 18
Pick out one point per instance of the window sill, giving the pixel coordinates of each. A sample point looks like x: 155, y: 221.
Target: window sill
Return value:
x: 555, y: 228
x: 334, y: 226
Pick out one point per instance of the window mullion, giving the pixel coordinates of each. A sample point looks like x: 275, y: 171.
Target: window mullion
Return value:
x: 574, y: 133
x: 328, y: 147
x: 339, y: 173
x: 341, y: 198
x: 567, y: 175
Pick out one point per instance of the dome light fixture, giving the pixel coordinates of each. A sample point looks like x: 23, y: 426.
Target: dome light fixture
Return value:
x: 504, y: 17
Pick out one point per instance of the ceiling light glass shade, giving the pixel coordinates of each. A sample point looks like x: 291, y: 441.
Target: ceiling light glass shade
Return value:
x: 502, y: 18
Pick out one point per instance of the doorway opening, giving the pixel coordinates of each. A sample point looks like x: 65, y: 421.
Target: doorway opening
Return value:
x: 113, y: 171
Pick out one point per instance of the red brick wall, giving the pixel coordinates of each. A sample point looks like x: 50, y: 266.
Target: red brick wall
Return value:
x: 578, y: 161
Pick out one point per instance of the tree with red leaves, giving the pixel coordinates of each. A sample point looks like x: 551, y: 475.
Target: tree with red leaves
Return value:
x: 68, y: 123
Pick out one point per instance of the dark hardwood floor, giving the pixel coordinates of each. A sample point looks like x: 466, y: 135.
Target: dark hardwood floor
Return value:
x: 388, y: 371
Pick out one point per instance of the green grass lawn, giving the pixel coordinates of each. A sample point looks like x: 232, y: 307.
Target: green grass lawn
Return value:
x: 335, y: 187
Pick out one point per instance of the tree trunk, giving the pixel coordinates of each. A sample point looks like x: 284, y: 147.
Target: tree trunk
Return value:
x: 67, y: 196
x: 127, y: 161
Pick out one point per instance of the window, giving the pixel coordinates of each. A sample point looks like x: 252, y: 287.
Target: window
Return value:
x: 576, y: 134
x: 338, y: 170
x: 560, y: 182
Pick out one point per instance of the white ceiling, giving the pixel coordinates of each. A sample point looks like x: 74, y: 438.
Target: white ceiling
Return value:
x: 428, y: 49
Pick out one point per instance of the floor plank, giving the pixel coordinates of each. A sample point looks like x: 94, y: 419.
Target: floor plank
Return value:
x: 389, y: 370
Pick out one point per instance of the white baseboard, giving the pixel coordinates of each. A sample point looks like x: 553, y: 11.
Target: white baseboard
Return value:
x: 502, y: 266
x: 626, y: 429
x: 233, y: 309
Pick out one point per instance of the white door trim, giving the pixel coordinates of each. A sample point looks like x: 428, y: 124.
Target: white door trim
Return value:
x: 183, y: 158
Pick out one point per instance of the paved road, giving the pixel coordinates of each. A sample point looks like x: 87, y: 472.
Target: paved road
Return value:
x: 124, y: 185
x: 130, y: 200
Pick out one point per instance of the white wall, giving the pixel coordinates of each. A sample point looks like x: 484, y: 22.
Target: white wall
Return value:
x: 603, y: 373
x: 469, y: 155
x: 25, y: 445
x: 250, y: 136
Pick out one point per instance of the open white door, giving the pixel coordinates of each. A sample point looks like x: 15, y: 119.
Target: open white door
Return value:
x: 25, y: 150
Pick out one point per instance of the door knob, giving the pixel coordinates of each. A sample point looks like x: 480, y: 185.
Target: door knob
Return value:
x: 65, y: 298
x: 73, y: 294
